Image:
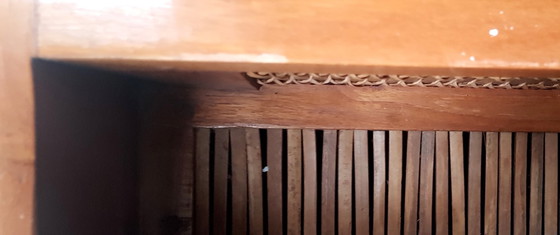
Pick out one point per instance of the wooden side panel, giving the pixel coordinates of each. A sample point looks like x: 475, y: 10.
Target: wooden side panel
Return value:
x: 457, y: 182
x: 345, y: 182
x: 221, y: 161
x: 379, y: 182
x: 17, y: 133
x: 426, y: 183
x: 475, y: 184
x: 395, y: 183
x: 294, y: 181
x: 202, y: 182
x: 254, y: 173
x: 274, y: 181
x: 328, y: 182
x: 520, y: 185
x: 505, y: 183
x: 309, y: 182
x: 551, y: 183
x: 536, y: 196
x: 361, y: 177
x: 491, y: 197
x: 442, y: 183
x: 410, y: 217
x: 238, y: 181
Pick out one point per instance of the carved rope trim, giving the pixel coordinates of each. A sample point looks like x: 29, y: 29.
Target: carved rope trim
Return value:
x: 406, y: 81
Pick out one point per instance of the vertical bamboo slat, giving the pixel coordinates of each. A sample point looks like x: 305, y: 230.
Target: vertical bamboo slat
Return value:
x: 238, y: 180
x: 491, y: 197
x: 505, y: 184
x: 395, y: 183
x: 202, y: 182
x: 536, y: 197
x: 379, y: 182
x: 457, y: 182
x: 475, y: 184
x: 520, y: 185
x: 361, y: 177
x: 442, y: 183
x: 254, y: 168
x: 274, y: 181
x: 410, y: 218
x: 309, y: 182
x: 328, y: 182
x: 221, y: 154
x: 426, y: 183
x: 345, y: 182
x: 294, y: 181
x: 551, y: 183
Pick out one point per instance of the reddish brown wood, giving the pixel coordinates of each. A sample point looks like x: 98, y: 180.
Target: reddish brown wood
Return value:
x: 202, y: 182
x: 309, y: 182
x: 442, y: 182
x: 294, y: 181
x: 361, y: 177
x: 274, y: 181
x: 457, y: 182
x: 426, y: 183
x: 345, y: 182
x: 328, y: 182
x: 505, y: 183
x: 379, y: 182
x: 254, y: 173
x: 520, y: 185
x: 381, y: 37
x: 475, y: 184
x: 536, y: 196
x: 491, y: 197
x: 394, y: 183
x: 238, y: 181
x: 551, y: 183
x: 221, y: 161
x: 410, y: 217
x: 344, y: 107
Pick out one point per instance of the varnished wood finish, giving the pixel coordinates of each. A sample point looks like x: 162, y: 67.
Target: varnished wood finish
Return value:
x: 426, y: 183
x: 442, y: 183
x: 309, y: 182
x: 520, y: 185
x: 379, y: 181
x: 328, y: 182
x: 475, y: 184
x: 410, y: 217
x: 361, y: 179
x: 344, y: 107
x: 491, y: 192
x: 505, y: 183
x: 395, y: 184
x: 274, y: 181
x: 17, y: 134
x: 495, y: 37
x: 345, y: 182
x: 457, y: 182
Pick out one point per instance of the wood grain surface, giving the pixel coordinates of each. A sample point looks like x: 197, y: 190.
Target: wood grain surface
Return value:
x: 440, y: 37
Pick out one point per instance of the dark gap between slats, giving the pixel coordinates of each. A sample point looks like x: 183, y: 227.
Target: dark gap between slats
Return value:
x: 353, y: 183
x: 387, y: 145
x: 284, y: 180
x: 319, y: 145
x: 466, y: 140
x: 229, y: 197
x: 403, y: 176
x: 370, y: 177
x: 529, y: 172
x: 336, y: 188
x: 449, y: 198
x: 211, y: 179
x: 264, y: 163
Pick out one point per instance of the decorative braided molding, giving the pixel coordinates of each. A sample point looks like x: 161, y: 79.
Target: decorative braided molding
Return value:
x: 405, y: 81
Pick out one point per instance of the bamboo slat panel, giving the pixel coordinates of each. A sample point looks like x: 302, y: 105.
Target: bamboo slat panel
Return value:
x: 386, y: 182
